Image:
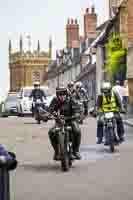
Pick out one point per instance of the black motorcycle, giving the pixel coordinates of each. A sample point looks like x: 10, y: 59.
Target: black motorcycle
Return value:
x: 64, y: 135
x: 39, y: 108
x: 109, y: 128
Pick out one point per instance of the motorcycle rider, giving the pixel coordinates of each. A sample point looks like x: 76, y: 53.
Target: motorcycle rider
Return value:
x: 82, y: 93
x: 109, y: 101
x: 67, y: 107
x: 70, y: 87
x: 37, y: 93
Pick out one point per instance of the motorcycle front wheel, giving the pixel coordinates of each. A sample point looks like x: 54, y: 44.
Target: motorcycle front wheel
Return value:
x: 111, y: 139
x: 64, y: 155
x: 37, y: 117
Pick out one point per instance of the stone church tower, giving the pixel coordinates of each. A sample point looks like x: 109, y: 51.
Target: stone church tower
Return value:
x: 26, y: 66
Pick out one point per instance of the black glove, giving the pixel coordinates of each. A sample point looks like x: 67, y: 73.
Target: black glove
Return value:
x: 123, y: 111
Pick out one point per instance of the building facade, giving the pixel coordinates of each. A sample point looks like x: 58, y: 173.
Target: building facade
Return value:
x: 71, y: 62
x: 27, y: 67
x: 130, y: 51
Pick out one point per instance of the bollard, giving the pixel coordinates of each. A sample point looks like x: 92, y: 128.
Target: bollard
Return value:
x: 7, y: 162
x: 4, y: 184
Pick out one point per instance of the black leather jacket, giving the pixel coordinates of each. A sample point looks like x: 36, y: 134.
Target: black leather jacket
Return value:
x: 68, y: 108
x: 37, y: 94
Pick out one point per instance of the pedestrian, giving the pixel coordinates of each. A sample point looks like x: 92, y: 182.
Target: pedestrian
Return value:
x: 118, y: 89
x: 125, y: 94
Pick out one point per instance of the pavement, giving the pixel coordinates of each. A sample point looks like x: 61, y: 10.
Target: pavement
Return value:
x: 128, y: 120
x: 100, y: 175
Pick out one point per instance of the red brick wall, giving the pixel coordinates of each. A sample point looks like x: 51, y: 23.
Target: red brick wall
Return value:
x: 130, y: 85
x: 130, y: 23
x: 130, y: 50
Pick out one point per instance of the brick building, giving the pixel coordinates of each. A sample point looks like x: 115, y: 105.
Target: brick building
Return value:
x: 27, y: 67
x: 130, y: 50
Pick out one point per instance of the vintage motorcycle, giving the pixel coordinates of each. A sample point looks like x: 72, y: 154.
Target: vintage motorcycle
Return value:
x: 39, y: 107
x: 64, y: 135
x: 110, y: 130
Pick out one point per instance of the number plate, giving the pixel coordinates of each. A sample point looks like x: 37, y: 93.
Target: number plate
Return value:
x: 38, y: 101
x: 109, y: 115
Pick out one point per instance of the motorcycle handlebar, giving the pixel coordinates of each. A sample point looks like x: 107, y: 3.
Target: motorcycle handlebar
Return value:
x: 56, y: 117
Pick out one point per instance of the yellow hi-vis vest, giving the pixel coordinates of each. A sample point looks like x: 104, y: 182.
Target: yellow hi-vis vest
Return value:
x: 110, y: 106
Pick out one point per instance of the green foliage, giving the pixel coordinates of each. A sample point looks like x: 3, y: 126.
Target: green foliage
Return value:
x: 116, y: 57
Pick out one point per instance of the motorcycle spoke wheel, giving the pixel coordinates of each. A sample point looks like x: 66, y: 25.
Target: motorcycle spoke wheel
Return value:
x: 112, y: 148
x: 38, y: 122
x: 64, y: 155
x: 65, y: 163
x: 70, y: 163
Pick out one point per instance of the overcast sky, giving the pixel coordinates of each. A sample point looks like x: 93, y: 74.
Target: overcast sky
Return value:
x: 40, y: 19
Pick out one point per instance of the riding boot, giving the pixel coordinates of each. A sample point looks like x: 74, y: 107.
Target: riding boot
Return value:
x: 56, y: 151
x: 76, y: 146
x: 54, y: 144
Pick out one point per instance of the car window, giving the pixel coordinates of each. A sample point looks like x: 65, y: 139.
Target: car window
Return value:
x: 27, y: 92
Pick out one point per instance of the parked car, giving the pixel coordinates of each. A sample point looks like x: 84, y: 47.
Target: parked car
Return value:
x: 9, y: 106
x: 25, y: 104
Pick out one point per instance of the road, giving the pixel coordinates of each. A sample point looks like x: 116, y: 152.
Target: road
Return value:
x: 100, y: 175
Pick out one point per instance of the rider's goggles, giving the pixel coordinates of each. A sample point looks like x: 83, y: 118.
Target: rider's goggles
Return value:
x: 63, y: 93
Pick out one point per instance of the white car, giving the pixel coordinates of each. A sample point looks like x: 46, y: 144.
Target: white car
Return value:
x: 24, y: 102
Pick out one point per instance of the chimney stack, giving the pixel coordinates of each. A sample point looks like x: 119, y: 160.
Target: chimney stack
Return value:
x: 72, y: 32
x: 90, y: 23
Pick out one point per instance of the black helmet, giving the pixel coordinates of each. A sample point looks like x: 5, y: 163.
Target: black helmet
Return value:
x: 36, y: 83
x: 61, y: 91
x: 70, y: 84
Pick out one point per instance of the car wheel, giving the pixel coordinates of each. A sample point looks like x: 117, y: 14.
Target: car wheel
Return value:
x: 4, y: 115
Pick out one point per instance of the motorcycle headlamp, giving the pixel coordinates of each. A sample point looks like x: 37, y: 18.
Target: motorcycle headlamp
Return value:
x: 57, y: 129
x: 68, y: 128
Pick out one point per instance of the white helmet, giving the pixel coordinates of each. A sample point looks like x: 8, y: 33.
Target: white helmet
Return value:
x: 78, y: 85
x: 106, y: 87
x: 70, y: 84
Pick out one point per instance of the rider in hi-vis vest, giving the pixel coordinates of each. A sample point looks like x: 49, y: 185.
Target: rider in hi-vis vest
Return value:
x: 109, y: 101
